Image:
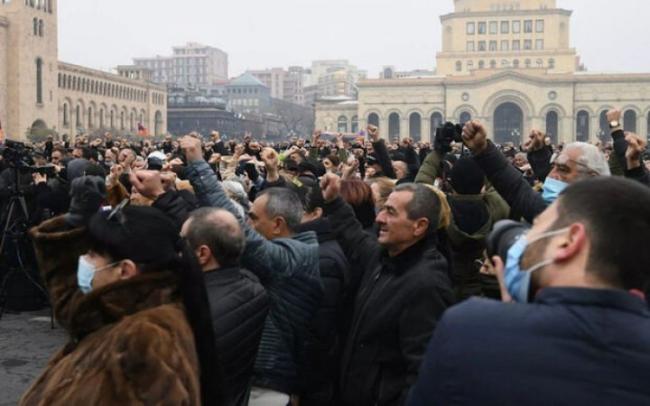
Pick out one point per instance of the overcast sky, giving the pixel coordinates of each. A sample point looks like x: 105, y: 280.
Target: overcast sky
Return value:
x: 609, y: 35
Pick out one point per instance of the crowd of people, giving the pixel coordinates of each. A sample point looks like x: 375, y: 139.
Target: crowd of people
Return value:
x: 342, y: 270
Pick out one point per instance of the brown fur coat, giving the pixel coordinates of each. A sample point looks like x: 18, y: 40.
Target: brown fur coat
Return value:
x: 130, y: 342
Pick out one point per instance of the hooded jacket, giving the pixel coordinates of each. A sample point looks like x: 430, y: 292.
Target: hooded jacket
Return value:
x: 130, y: 342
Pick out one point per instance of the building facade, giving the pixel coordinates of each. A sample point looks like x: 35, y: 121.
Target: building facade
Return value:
x: 39, y: 94
x: 284, y: 84
x: 508, y: 64
x: 190, y: 65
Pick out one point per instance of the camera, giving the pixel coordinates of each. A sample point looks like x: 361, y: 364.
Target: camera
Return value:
x: 504, y: 235
x: 17, y: 154
x: 450, y: 132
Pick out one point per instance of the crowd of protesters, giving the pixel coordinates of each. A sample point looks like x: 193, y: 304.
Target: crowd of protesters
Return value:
x: 343, y: 270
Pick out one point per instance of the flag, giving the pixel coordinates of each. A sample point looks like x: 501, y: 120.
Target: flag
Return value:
x: 142, y: 132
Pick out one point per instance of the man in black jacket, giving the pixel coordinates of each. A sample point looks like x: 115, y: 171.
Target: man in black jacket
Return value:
x: 319, y: 366
x: 404, y: 289
x: 238, y: 302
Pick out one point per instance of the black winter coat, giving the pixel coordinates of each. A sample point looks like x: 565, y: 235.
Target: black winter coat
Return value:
x: 396, y: 310
x: 320, y: 364
x: 239, y: 306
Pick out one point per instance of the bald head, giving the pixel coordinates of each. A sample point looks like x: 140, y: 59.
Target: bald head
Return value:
x: 216, y: 237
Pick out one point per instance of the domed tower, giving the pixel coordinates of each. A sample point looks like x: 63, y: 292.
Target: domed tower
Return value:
x: 28, y: 66
x: 506, y: 34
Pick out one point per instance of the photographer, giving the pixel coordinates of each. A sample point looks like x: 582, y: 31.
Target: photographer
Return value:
x: 580, y: 332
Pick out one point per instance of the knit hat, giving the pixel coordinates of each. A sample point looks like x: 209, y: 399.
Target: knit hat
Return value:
x: 467, y: 177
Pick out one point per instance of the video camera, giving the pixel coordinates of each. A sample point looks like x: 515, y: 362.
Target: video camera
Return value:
x: 446, y: 135
x: 504, y: 235
x: 19, y: 156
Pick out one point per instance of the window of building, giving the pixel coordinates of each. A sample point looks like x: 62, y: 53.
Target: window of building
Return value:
x: 539, y: 26
x: 493, y: 46
x: 528, y: 44
x: 470, y: 46
x: 528, y: 26
x: 516, y: 45
x: 482, y: 28
x: 515, y: 63
x: 342, y: 124
x: 494, y: 27
x: 471, y: 28
x: 41, y: 28
x: 39, y: 81
x: 481, y: 64
x: 35, y: 26
x: 551, y: 63
x: 505, y: 45
x: 540, y: 63
x: 528, y: 63
x: 516, y: 27
x: 493, y: 64
x: 66, y: 115
x: 459, y: 66
x: 539, y: 44
x: 481, y: 46
x: 505, y: 27
x: 470, y: 65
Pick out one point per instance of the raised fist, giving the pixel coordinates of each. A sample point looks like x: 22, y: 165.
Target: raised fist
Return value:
x: 614, y: 115
x: 373, y: 133
x: 475, y: 136
x: 330, y: 184
x: 635, y: 147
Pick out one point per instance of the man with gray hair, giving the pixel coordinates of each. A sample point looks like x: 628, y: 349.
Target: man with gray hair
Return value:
x: 238, y: 302
x: 286, y: 263
x: 576, y: 162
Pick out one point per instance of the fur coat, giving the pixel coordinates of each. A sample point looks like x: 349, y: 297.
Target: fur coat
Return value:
x: 130, y: 342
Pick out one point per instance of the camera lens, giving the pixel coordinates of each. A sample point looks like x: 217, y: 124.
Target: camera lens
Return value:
x: 503, y: 236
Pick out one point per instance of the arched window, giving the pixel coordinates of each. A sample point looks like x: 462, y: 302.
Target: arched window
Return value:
x: 49, y: 6
x: 132, y: 121
x: 415, y: 127
x: 515, y: 64
x: 122, y: 120
x: 78, y: 117
x: 66, y: 115
x: 35, y: 26
x: 41, y: 29
x: 629, y: 121
x: 393, y: 126
x: 101, y: 118
x: 528, y: 63
x: 436, y: 122
x: 465, y: 117
x: 342, y: 124
x: 552, y: 126
x: 373, y: 119
x: 354, y: 127
x: 90, y: 117
x: 481, y: 64
x: 39, y: 81
x: 459, y: 66
x: 604, y: 126
x: 112, y: 123
x: 551, y: 63
x: 582, y: 126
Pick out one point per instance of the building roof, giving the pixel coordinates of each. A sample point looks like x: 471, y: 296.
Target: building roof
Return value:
x: 247, y: 79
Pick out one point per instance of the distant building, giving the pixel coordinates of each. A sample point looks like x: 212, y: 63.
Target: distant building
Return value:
x: 247, y: 94
x: 284, y: 84
x: 39, y: 95
x: 389, y: 72
x: 192, y: 64
x: 508, y: 64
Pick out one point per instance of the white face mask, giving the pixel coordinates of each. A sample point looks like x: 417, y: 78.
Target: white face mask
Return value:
x: 86, y: 273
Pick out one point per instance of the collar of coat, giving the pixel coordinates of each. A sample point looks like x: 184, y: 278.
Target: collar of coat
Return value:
x: 423, y: 249
x: 111, y: 303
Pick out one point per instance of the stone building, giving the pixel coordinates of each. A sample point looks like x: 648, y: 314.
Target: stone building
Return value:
x: 39, y: 94
x: 193, y: 64
x: 508, y: 64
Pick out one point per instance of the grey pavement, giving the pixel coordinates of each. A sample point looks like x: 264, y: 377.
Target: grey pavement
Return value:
x: 26, y: 344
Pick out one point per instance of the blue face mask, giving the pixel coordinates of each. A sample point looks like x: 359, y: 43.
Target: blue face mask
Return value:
x: 86, y: 273
x: 517, y: 280
x: 552, y: 189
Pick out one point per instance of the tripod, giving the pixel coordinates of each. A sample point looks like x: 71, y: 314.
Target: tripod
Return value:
x: 15, y: 218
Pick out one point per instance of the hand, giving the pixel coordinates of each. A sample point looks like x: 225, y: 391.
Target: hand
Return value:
x: 316, y: 137
x: 614, y: 115
x: 192, y: 148
x: 635, y: 147
x: 373, y: 133
x: 239, y: 150
x: 215, y: 159
x: 349, y: 168
x: 339, y: 141
x: 496, y: 268
x: 330, y: 184
x: 176, y: 162
x: 168, y: 180
x: 39, y: 178
x: 270, y: 158
x: 475, y: 137
x: 536, y: 140
x: 216, y: 136
x: 147, y: 183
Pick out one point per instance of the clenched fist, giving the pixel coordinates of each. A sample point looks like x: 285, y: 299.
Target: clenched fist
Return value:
x: 635, y: 147
x: 475, y: 136
x: 330, y: 184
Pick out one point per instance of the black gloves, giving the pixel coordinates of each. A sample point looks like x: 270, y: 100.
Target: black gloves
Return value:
x: 87, y: 194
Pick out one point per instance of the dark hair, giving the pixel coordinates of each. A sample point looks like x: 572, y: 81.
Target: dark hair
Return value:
x: 616, y: 214
x: 146, y: 236
x: 313, y: 198
x: 358, y: 194
x: 226, y: 241
x: 424, y: 204
x: 286, y: 203
x: 334, y: 159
